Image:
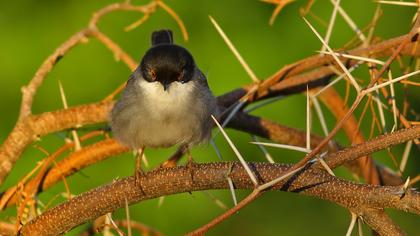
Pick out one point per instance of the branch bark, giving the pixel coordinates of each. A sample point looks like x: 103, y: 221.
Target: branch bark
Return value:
x: 168, y: 181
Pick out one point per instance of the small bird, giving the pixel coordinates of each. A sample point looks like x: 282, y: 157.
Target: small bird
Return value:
x: 166, y: 101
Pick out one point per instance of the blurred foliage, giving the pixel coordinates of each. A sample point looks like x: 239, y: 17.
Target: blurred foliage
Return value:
x: 31, y: 30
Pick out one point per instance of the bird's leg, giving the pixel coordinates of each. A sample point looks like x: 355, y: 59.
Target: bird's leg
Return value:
x: 190, y: 164
x: 138, y: 171
x: 174, y: 159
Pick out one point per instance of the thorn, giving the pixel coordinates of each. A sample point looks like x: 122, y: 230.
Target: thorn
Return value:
x: 161, y: 200
x: 216, y: 149
x: 145, y: 161
x: 406, y: 184
x: 235, y: 52
x: 238, y: 154
x: 285, y: 146
x: 352, y: 223
x: 215, y: 200
x: 346, y: 71
x: 231, y: 186
x: 76, y: 140
x: 308, y: 120
x: 263, y: 149
x: 127, y: 214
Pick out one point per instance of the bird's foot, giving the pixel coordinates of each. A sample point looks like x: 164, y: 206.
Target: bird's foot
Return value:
x: 137, y: 179
x: 174, y: 159
x: 191, y: 164
x: 168, y: 164
x: 138, y: 171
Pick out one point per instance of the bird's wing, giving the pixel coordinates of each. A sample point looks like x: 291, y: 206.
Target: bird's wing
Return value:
x: 202, y: 78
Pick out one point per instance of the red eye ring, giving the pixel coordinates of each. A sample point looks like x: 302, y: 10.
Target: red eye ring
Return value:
x: 181, y: 76
x: 152, y: 74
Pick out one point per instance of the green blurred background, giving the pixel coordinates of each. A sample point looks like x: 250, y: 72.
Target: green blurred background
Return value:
x: 31, y: 30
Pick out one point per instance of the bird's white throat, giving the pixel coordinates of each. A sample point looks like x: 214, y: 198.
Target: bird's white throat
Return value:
x: 176, y: 96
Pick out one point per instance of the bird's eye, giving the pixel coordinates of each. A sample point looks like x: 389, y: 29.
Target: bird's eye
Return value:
x: 181, y: 77
x: 152, y: 74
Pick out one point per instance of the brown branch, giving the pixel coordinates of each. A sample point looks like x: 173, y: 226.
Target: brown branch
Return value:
x: 29, y: 91
x: 286, y: 135
x: 361, y: 94
x: 92, y: 204
x: 30, y: 128
x: 379, y: 143
x: 334, y: 160
x: 107, y: 148
x: 380, y: 222
x: 7, y: 229
x: 333, y: 101
x: 17, y: 141
x: 77, y: 160
x: 291, y: 79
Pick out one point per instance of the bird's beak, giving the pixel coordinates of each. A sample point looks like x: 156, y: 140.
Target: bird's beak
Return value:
x: 165, y: 85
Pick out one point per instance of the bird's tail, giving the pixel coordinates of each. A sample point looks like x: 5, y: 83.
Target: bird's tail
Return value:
x: 162, y: 37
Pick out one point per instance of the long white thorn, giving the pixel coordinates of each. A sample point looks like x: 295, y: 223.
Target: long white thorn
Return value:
x: 232, y: 191
x: 215, y: 200
x: 308, y: 120
x: 237, y: 153
x: 231, y: 114
x: 340, y: 77
x: 331, y: 24
x: 324, y: 164
x: 349, y: 76
x: 277, y: 180
x: 263, y: 103
x: 365, y: 59
x: 285, y: 146
x: 127, y: 215
x: 391, y: 81
x: 359, y: 226
x: 235, y: 52
x: 406, y: 153
x: 400, y: 3
x: 161, y: 200
x: 394, y: 104
x: 76, y: 140
x: 381, y: 112
x: 145, y: 161
x: 263, y: 149
x: 216, y: 149
x: 352, y: 223
x: 320, y: 115
x: 350, y: 22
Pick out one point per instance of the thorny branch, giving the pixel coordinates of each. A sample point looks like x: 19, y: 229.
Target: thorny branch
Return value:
x: 167, y: 181
x: 367, y: 201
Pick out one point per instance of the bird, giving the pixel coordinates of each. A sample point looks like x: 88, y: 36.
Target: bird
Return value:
x: 166, y: 101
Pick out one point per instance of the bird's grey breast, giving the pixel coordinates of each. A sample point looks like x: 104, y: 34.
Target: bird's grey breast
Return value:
x: 158, y: 118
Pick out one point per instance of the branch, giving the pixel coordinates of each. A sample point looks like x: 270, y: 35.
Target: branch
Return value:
x: 379, y: 143
x: 168, y: 181
x: 22, y: 135
x: 107, y: 148
x: 31, y: 128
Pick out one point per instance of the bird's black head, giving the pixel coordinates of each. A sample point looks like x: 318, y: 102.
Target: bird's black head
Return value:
x: 167, y: 63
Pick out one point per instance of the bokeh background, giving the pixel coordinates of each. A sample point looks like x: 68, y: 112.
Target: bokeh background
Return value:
x: 31, y: 30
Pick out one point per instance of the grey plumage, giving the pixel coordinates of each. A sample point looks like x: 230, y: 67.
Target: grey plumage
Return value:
x: 147, y: 115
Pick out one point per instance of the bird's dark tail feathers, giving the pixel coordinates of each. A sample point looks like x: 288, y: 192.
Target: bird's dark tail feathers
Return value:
x: 162, y: 37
